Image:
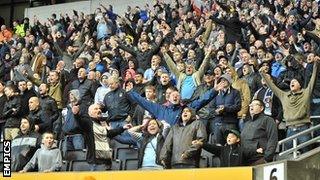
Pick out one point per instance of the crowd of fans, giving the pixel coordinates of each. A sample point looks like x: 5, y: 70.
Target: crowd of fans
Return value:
x: 163, y: 78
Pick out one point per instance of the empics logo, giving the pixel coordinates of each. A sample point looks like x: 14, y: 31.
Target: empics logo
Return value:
x: 6, y: 158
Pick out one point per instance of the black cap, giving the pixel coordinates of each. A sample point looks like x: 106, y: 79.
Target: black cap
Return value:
x: 233, y: 131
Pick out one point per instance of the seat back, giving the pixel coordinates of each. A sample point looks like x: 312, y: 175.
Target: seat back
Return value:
x: 116, y: 165
x: 79, y: 166
x: 131, y: 164
x: 76, y: 155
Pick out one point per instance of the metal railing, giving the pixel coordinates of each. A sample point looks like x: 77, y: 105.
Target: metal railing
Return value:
x: 294, y: 139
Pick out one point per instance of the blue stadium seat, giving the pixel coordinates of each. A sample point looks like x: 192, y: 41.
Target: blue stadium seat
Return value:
x: 208, y: 155
x: 115, y: 145
x: 64, y: 166
x: 204, y: 162
x: 76, y: 155
x: 126, y: 153
x: 131, y: 164
x: 79, y: 166
x: 215, y: 161
x: 116, y: 165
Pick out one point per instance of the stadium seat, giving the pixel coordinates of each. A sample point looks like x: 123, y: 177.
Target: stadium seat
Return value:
x: 204, y: 162
x: 116, y: 165
x: 76, y: 155
x: 127, y: 153
x: 209, y: 155
x: 79, y: 166
x: 215, y: 161
x: 115, y: 145
x: 83, y: 165
x: 131, y: 164
x: 64, y: 166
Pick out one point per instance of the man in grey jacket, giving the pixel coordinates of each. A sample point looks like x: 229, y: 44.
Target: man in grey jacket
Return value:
x: 177, y: 151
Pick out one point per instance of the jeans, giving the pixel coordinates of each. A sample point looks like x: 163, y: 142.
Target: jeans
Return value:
x: 292, y: 131
x: 125, y: 137
x: 72, y: 142
x: 219, y: 133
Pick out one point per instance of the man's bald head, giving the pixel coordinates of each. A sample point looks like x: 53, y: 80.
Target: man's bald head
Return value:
x: 34, y: 103
x: 94, y: 111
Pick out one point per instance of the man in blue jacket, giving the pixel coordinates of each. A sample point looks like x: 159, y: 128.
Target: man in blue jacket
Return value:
x: 225, y: 107
x: 172, y: 113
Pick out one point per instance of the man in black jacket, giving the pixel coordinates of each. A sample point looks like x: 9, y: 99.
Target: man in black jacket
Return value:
x: 259, y: 134
x: 86, y: 87
x: 40, y: 119
x: 11, y: 113
x: 96, y: 133
x: 25, y: 95
x: 48, y: 105
x: 119, y: 109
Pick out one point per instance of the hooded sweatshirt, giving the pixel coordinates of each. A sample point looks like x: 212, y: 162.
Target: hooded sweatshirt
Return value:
x: 46, y: 159
x: 23, y: 147
x: 102, y: 90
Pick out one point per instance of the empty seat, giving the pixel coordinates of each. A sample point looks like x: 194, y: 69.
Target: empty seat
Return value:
x: 215, y: 161
x: 204, y: 162
x: 115, y: 145
x: 64, y: 166
x: 79, y: 166
x: 209, y: 155
x: 116, y: 165
x: 127, y: 153
x: 76, y: 155
x: 131, y: 164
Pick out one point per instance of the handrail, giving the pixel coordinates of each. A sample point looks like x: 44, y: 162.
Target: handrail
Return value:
x: 299, y: 134
x: 295, y: 141
x: 307, y: 143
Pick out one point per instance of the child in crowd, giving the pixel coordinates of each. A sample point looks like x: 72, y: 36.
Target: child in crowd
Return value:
x: 47, y: 158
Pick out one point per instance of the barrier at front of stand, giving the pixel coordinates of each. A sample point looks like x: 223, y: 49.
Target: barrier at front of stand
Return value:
x: 241, y: 173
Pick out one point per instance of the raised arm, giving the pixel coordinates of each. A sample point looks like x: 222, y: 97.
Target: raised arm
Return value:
x: 204, y: 99
x: 313, y: 77
x: 171, y: 65
x: 278, y: 92
x: 204, y: 64
x: 129, y: 50
x: 151, y: 107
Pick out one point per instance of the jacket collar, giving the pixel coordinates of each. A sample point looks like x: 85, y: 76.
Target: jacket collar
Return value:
x: 296, y: 93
